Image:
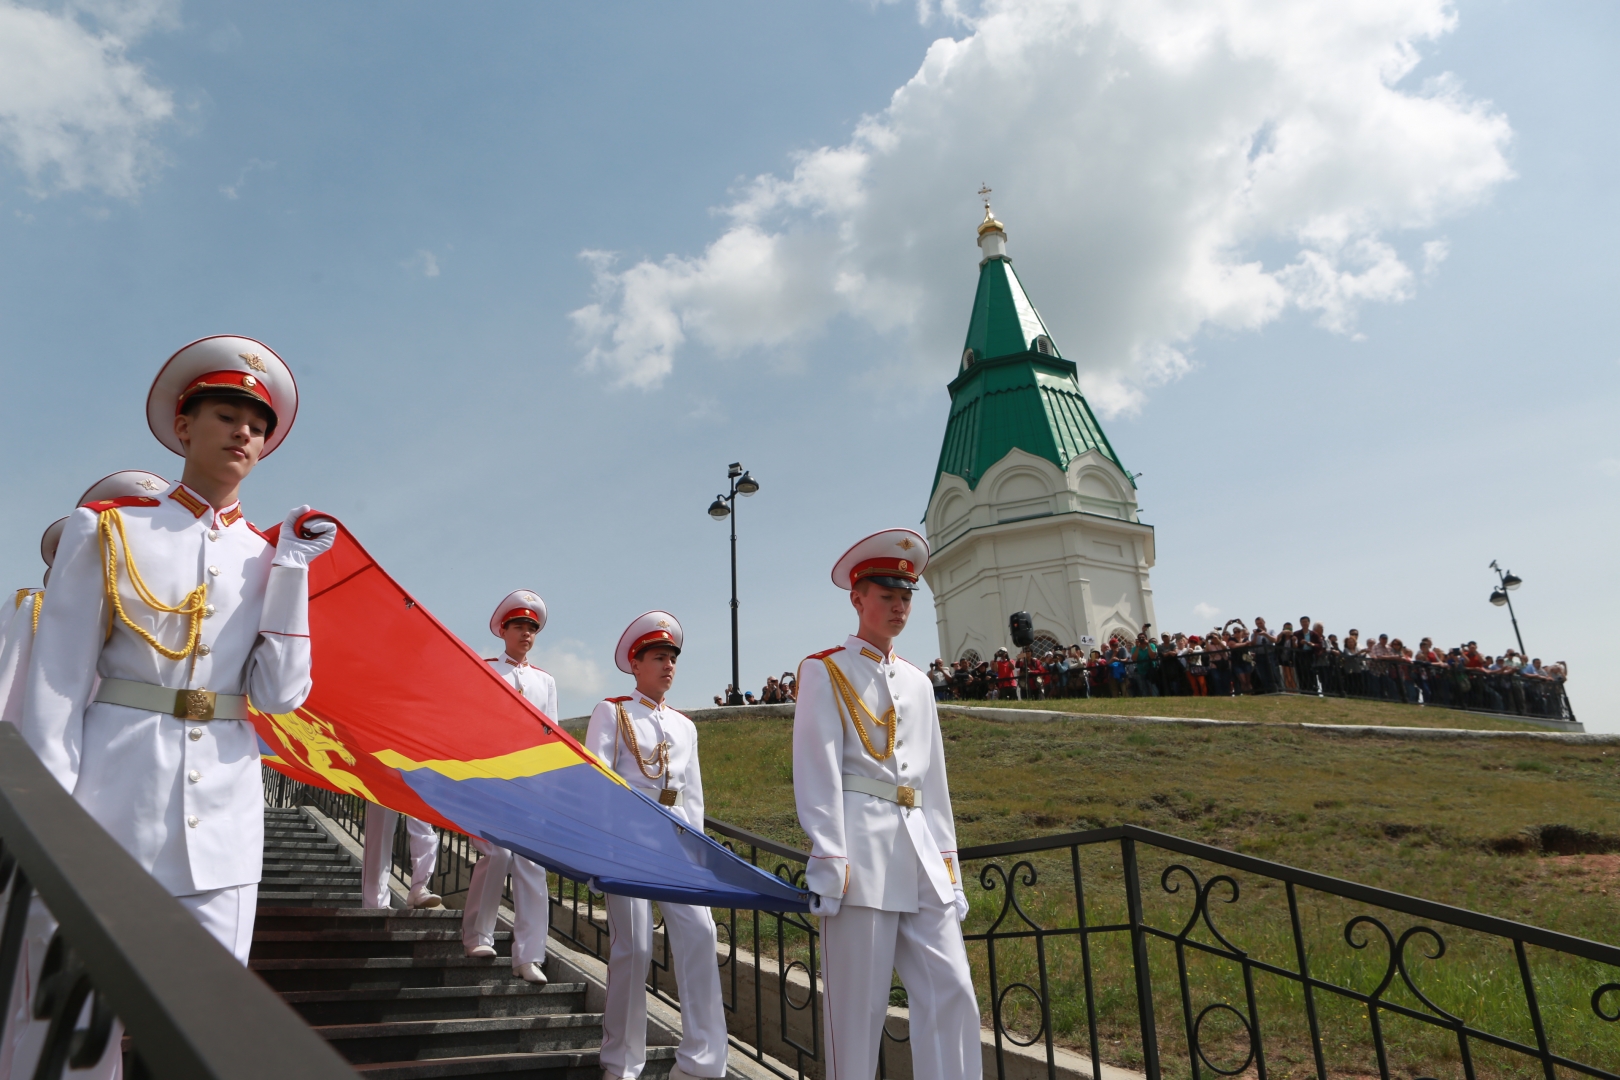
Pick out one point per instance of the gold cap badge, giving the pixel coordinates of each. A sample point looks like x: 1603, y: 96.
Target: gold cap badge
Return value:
x: 252, y: 360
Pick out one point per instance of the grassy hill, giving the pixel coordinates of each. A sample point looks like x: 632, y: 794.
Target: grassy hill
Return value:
x: 1463, y: 822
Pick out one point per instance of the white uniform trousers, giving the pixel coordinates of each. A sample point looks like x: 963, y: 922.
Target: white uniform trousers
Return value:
x: 227, y: 914
x: 531, y: 902
x: 861, y: 948
x: 379, y: 857
x: 697, y: 975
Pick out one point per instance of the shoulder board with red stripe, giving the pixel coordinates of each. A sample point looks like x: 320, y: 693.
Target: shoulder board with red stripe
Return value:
x: 128, y: 500
x: 620, y: 700
x: 824, y: 653
x: 259, y: 533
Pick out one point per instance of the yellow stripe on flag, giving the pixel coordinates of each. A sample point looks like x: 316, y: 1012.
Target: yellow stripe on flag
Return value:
x: 528, y: 762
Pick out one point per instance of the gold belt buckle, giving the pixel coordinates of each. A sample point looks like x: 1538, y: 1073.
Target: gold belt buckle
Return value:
x: 194, y: 704
x: 667, y: 796
x: 905, y: 796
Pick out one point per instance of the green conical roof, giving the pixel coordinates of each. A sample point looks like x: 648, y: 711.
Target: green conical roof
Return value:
x: 1004, y: 321
x: 1015, y: 391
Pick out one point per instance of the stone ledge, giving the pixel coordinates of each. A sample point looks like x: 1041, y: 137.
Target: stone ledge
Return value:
x: 1563, y: 732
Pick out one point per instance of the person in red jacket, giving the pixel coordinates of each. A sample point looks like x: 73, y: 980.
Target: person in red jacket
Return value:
x: 1006, y: 675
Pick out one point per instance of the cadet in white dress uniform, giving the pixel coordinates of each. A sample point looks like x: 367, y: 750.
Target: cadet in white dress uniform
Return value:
x: 869, y: 781
x: 654, y: 748
x: 516, y: 620
x: 182, y: 609
x: 378, y: 859
x: 16, y: 646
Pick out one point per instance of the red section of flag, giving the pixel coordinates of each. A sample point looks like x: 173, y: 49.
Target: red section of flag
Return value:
x: 389, y: 676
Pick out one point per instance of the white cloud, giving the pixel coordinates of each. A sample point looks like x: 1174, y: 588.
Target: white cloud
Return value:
x: 579, y: 678
x: 424, y: 261
x: 1163, y: 169
x: 75, y: 112
x: 1205, y: 612
x: 234, y: 190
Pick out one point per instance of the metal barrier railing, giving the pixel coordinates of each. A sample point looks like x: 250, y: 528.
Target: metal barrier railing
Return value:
x: 1271, y: 669
x: 118, y: 936
x: 1071, y: 952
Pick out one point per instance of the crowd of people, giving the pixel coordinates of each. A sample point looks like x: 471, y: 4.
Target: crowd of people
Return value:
x: 778, y: 690
x: 1234, y: 659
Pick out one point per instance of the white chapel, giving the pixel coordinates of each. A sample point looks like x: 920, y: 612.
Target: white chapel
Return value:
x: 1031, y: 508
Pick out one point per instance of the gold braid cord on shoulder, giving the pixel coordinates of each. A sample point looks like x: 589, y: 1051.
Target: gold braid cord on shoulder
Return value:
x: 39, y: 602
x: 627, y: 732
x: 192, y: 607
x: 854, y: 707
x: 17, y: 601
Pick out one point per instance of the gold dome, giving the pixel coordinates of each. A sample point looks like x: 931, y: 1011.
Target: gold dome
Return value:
x: 990, y: 224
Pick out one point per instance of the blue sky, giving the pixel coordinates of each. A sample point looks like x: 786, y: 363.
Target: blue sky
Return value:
x: 401, y: 200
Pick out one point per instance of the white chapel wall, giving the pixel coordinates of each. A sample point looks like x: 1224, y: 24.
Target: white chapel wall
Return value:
x: 1063, y: 545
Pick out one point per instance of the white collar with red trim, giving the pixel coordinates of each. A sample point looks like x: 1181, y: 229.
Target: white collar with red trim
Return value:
x: 195, y: 505
x: 857, y: 644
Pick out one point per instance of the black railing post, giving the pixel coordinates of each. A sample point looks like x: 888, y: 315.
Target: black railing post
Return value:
x: 1085, y: 960
x: 1535, y: 1009
x: 1139, y: 959
x: 1305, y: 982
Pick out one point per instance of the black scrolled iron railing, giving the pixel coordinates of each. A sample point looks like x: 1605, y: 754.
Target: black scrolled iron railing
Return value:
x: 1269, y: 669
x: 1197, y: 945
x: 1111, y: 945
x: 117, y: 939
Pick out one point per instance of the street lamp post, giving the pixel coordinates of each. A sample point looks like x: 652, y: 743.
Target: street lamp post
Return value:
x: 725, y: 506
x: 1507, y: 582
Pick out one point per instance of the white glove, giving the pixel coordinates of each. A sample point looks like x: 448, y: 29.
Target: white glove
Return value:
x: 825, y: 906
x: 961, y: 906
x: 293, y: 550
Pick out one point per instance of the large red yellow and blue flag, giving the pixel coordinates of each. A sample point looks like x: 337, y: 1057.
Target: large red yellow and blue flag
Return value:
x: 405, y: 715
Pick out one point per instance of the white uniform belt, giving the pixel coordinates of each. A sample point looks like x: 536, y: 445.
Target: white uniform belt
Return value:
x: 186, y: 704
x: 908, y: 797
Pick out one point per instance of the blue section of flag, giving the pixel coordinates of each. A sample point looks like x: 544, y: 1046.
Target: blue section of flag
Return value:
x: 581, y: 824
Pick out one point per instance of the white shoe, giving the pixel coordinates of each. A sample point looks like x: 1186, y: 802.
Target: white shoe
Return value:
x: 678, y: 1073
x: 530, y: 972
x: 481, y: 951
x: 421, y: 897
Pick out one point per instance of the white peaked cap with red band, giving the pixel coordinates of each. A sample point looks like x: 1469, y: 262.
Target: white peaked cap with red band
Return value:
x: 893, y: 557
x: 223, y: 364
x: 521, y: 604
x: 653, y: 628
x: 120, y: 485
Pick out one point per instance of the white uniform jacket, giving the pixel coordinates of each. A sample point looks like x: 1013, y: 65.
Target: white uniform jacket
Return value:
x: 16, y: 645
x: 533, y: 683
x: 183, y: 797
x: 652, y: 724
x: 865, y: 849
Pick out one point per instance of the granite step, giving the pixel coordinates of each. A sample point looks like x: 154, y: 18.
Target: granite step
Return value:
x: 384, y: 972
x: 357, y: 918
x: 557, y: 1065
x: 435, y: 1002
x: 417, y: 942
x: 418, y: 1040
x: 313, y: 898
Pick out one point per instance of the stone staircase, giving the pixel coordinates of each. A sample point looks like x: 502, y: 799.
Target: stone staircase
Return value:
x: 392, y: 991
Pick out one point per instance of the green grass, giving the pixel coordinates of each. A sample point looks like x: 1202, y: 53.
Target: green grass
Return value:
x: 1426, y: 818
x: 1275, y: 709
